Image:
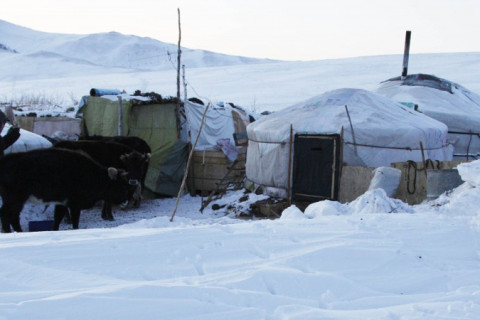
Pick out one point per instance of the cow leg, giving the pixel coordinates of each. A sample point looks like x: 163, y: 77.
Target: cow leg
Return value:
x: 5, y: 217
x: 59, y: 213
x: 137, y: 196
x: 15, y: 222
x: 107, y: 211
x: 75, y: 216
x: 104, y: 210
x: 67, y: 217
x: 10, y: 215
x: 145, y: 170
x: 136, y: 203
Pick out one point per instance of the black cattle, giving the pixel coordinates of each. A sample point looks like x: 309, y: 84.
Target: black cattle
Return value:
x: 70, y: 179
x: 10, y: 137
x: 12, y: 134
x: 112, y: 154
x: 136, y: 143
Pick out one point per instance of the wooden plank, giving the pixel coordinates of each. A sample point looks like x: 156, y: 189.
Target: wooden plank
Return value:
x: 210, y: 166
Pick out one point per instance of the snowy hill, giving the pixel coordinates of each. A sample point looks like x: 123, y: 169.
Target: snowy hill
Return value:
x: 61, y: 66
x: 112, y: 49
x: 263, y: 86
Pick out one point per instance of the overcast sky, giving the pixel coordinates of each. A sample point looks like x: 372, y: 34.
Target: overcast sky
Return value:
x: 276, y: 29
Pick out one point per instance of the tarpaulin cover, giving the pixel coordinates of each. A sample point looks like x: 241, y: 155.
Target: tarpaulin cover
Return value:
x: 425, y: 80
x: 156, y: 124
x: 221, y: 122
x: 445, y: 101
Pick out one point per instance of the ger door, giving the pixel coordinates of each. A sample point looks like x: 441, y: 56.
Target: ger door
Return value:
x: 316, y: 166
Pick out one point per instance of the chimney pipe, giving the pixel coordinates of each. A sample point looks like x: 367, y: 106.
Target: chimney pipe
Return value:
x: 406, y: 54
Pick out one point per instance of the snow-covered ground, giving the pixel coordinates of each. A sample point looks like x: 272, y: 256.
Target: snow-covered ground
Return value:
x: 373, y: 258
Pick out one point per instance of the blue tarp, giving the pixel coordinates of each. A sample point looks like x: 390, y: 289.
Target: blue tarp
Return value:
x: 94, y: 92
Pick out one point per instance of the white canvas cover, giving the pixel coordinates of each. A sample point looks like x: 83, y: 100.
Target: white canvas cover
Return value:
x: 444, y: 101
x: 27, y: 141
x: 383, y: 131
x: 219, y: 124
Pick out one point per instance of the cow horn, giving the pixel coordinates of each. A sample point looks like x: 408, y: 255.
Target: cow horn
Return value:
x: 148, y: 155
x: 112, y: 173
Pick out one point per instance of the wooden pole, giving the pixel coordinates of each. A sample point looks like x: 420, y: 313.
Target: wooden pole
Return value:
x: 188, y: 162
x: 351, y: 128
x: 184, y: 84
x: 120, y: 115
x: 469, y: 142
x: 179, y: 53
x: 423, y: 158
x: 289, y: 192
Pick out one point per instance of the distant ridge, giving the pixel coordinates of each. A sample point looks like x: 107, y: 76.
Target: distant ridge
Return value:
x: 112, y: 49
